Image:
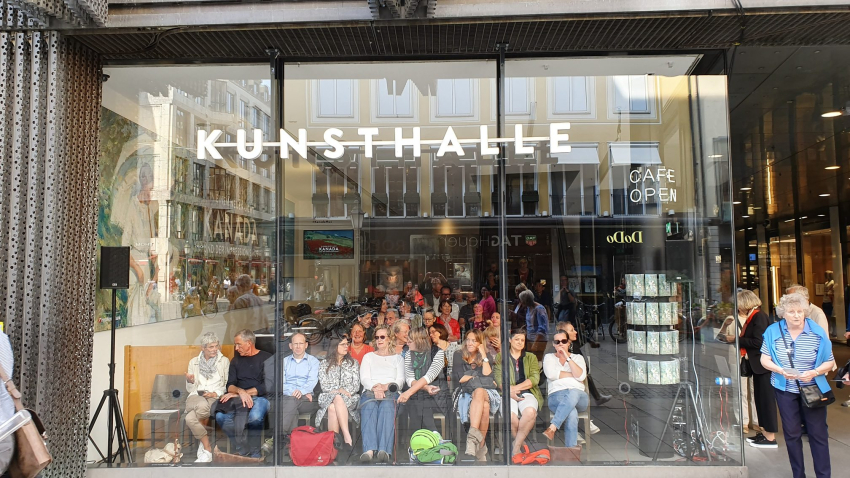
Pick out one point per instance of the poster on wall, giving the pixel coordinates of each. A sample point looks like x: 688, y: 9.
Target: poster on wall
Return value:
x: 462, y: 270
x: 329, y: 244
x: 575, y: 285
x: 590, y: 285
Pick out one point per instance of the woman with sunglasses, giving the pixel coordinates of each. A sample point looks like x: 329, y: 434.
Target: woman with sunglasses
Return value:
x: 339, y: 377
x: 359, y: 348
x: 382, y: 376
x: 474, y: 403
x: 565, y: 373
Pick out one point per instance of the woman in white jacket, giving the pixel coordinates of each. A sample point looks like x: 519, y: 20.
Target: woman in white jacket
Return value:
x: 206, y: 382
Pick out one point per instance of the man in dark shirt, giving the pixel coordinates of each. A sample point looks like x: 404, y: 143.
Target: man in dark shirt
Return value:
x: 245, y: 404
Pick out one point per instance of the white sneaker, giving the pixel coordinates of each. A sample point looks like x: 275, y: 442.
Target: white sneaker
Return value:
x: 593, y: 428
x: 580, y: 440
x: 204, y: 456
x: 201, y: 451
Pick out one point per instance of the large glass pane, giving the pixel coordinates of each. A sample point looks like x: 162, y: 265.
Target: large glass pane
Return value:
x: 650, y: 265
x: 195, y: 324
x: 426, y: 236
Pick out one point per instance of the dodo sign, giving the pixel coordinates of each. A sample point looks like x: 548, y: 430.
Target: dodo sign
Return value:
x: 620, y: 237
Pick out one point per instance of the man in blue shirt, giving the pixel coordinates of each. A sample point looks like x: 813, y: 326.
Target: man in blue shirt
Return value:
x: 300, y: 376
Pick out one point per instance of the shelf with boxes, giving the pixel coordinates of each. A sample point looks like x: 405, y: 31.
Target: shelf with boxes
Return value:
x: 652, y: 311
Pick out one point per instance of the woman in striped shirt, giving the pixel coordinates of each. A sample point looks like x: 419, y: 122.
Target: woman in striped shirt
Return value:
x: 807, y: 344
x: 423, y: 365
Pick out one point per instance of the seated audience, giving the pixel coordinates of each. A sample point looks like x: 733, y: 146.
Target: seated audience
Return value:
x: 398, y: 343
x: 478, y: 322
x: 565, y: 373
x: 339, y: 377
x: 525, y: 396
x: 382, y: 376
x: 475, y: 396
x: 359, y: 348
x: 245, y: 405
x: 206, y: 382
x: 493, y: 341
x: 428, y: 318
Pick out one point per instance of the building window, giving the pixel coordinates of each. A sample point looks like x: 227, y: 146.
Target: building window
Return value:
x: 231, y: 103
x: 631, y: 94
x: 181, y: 128
x: 220, y: 184
x: 574, y: 180
x: 456, y: 98
x: 335, y: 98
x: 395, y: 184
x: 180, y: 173
x: 334, y: 183
x: 520, y: 190
x: 198, y: 176
x: 198, y: 224
x: 394, y: 99
x: 630, y: 160
x: 571, y: 95
x: 518, y: 97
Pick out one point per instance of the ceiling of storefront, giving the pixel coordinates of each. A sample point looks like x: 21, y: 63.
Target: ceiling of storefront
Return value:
x: 774, y: 91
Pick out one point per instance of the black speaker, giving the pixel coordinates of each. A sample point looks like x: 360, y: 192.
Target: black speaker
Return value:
x: 114, y: 267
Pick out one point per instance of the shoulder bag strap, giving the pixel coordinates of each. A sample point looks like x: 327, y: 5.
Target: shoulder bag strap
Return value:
x: 12, y: 389
x: 788, y: 351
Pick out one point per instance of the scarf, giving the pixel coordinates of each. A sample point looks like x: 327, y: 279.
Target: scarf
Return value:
x: 420, y: 362
x: 207, y: 367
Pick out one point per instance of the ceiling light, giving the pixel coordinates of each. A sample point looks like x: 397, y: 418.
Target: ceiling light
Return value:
x: 823, y: 195
x: 749, y: 228
x: 715, y: 155
x: 831, y: 114
x: 745, y: 188
x: 832, y: 167
x: 804, y: 217
x: 736, y: 202
x: 821, y: 215
x: 790, y: 220
x: 745, y: 216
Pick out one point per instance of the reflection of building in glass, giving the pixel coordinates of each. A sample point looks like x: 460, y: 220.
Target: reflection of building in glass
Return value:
x: 204, y: 221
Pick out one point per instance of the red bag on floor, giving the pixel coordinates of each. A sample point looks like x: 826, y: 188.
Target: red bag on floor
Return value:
x: 310, y: 447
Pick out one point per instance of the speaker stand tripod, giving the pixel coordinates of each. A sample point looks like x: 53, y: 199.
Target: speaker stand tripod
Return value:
x: 114, y: 419
x: 690, y: 402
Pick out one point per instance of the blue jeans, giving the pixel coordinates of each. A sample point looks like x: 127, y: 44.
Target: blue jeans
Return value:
x: 252, y: 419
x: 377, y: 422
x: 566, y: 404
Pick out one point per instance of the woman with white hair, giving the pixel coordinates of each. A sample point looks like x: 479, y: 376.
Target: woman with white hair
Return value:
x: 206, y: 382
x: 798, y: 352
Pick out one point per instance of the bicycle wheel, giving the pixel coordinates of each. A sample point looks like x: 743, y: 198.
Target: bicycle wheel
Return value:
x: 312, y: 330
x: 617, y: 331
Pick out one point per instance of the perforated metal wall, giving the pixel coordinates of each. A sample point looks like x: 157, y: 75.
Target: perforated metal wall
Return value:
x: 49, y: 113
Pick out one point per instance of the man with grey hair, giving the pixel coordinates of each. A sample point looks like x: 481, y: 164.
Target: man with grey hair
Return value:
x: 815, y: 313
x: 392, y: 316
x: 245, y: 405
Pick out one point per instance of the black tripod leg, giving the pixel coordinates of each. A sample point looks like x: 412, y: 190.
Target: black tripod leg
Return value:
x: 700, y: 424
x: 121, y: 431
x: 93, y: 421
x: 666, y: 424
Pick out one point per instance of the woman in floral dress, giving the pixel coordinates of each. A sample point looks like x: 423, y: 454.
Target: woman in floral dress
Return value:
x: 339, y: 377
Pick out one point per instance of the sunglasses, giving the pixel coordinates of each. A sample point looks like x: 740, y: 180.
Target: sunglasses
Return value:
x: 562, y: 341
x: 380, y: 337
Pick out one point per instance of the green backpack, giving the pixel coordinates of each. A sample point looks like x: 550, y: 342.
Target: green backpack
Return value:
x: 427, y: 446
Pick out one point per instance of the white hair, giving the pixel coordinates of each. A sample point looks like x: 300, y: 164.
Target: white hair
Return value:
x: 794, y: 298
x: 209, y: 338
x: 798, y: 289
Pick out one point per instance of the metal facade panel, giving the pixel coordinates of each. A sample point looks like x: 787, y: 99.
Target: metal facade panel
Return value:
x: 48, y: 173
x: 635, y: 33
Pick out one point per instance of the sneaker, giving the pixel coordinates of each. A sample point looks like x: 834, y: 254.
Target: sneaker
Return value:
x: 382, y: 457
x: 764, y: 443
x: 580, y: 440
x: 758, y: 436
x: 204, y: 456
x: 268, y: 446
x: 846, y: 404
x: 593, y: 428
x: 201, y: 450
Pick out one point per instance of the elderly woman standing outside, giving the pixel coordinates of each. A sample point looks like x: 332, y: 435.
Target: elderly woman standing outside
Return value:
x: 339, y: 377
x: 752, y: 330
x: 799, y: 340
x: 206, y: 382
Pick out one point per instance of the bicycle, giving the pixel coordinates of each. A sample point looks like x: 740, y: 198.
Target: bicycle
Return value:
x: 618, y: 326
x: 332, y: 322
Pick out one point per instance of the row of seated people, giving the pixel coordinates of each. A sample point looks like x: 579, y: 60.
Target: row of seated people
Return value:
x: 403, y: 378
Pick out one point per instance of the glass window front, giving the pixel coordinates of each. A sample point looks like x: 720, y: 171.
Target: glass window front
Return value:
x: 441, y: 294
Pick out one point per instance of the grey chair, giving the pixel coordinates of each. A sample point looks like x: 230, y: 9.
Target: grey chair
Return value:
x: 165, y: 407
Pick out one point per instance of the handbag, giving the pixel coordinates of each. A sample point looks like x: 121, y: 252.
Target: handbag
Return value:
x: 31, y: 454
x: 565, y: 454
x: 810, y: 394
x: 746, y: 368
